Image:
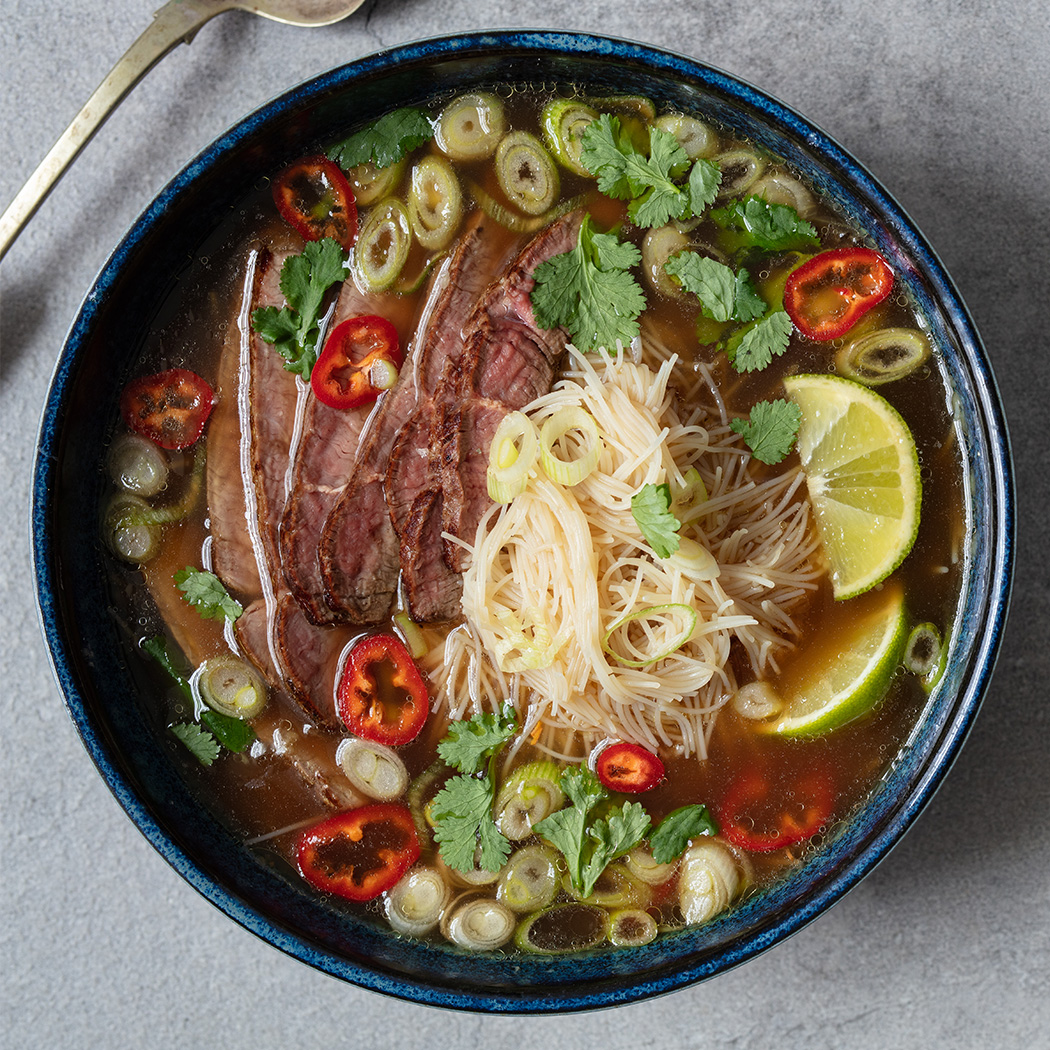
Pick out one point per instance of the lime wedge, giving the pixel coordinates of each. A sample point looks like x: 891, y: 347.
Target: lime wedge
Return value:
x: 863, y: 476
x: 851, y: 676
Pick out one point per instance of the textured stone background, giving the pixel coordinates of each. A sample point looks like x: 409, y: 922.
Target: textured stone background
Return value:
x: 946, y: 944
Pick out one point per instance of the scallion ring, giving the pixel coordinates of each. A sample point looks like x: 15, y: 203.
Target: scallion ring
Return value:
x: 370, y: 184
x: 137, y: 465
x: 778, y: 188
x: 740, y: 169
x: 631, y: 928
x: 414, y: 905
x: 564, y: 122
x: 649, y: 635
x: 470, y: 127
x: 130, y: 530
x: 925, y: 655
x: 658, y: 246
x: 231, y: 686
x: 435, y: 203
x: 571, y: 432
x: 694, y: 560
x: 375, y: 770
x: 526, y: 173
x: 883, y: 356
x: 513, y: 453
x: 478, y: 923
x: 383, y: 244
x: 530, y: 880
x: 694, y: 136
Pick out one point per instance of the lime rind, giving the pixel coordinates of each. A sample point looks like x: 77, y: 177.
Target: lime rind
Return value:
x: 852, y: 680
x: 862, y: 472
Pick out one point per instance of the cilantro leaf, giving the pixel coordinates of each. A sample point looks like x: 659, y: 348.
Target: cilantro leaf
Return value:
x: 462, y: 815
x: 651, y: 507
x: 759, y: 344
x: 704, y: 180
x: 200, y: 743
x: 158, y: 648
x: 205, y: 592
x: 772, y: 429
x: 385, y: 141
x: 233, y: 733
x: 588, y: 291
x: 469, y: 744
x: 605, y: 147
x: 772, y: 226
x: 590, y: 846
x: 671, y: 836
x: 724, y: 295
x: 305, y: 278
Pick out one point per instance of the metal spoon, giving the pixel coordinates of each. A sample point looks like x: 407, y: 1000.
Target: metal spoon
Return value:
x: 175, y: 23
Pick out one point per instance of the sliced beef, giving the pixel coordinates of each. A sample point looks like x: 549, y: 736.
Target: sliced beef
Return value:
x: 324, y: 459
x: 412, y: 468
x: 506, y: 362
x: 359, y: 551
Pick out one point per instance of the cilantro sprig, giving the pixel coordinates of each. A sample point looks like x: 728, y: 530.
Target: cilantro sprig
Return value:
x: 199, y: 742
x: 206, y: 593
x: 651, y: 507
x: 754, y: 347
x: 673, y: 834
x: 772, y: 429
x: 777, y: 227
x: 464, y: 828
x: 724, y: 294
x: 651, y: 183
x: 305, y: 278
x: 385, y: 141
x: 589, y: 291
x: 591, y: 840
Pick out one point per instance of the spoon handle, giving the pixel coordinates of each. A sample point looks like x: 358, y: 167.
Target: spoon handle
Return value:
x: 175, y: 22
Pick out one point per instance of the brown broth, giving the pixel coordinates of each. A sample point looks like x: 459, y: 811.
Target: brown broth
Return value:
x: 258, y: 794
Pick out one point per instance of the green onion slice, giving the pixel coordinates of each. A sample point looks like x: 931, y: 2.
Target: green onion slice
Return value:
x: 563, y: 928
x: 414, y: 905
x: 694, y: 136
x: 695, y: 560
x: 383, y: 244
x: 631, y: 928
x: 530, y: 794
x: 658, y: 246
x: 370, y: 184
x: 926, y: 655
x: 740, y: 168
x: 412, y: 634
x: 435, y: 203
x: 530, y: 880
x: 137, y: 465
x: 129, y: 529
x: 526, y: 173
x: 648, y: 635
x: 571, y: 432
x: 513, y: 453
x: 777, y: 188
x: 883, y: 356
x: 471, y: 126
x: 564, y: 122
x: 478, y: 923
x: 375, y: 770
x: 231, y: 686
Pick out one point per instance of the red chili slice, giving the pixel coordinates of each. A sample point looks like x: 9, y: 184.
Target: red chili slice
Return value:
x: 755, y: 817
x: 343, y: 375
x: 170, y: 408
x: 628, y: 767
x: 361, y: 853
x: 828, y: 294
x: 382, y: 695
x: 313, y: 196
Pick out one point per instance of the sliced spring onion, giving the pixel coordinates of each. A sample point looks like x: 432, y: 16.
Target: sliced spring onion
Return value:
x: 435, y: 202
x: 926, y: 655
x: 650, y: 634
x: 383, y: 244
x: 375, y: 770
x: 513, y: 453
x: 883, y: 356
x: 740, y: 168
x: 530, y: 880
x: 779, y: 188
x: 414, y: 905
x: 757, y: 701
x: 641, y: 865
x: 563, y: 928
x: 631, y: 928
x: 573, y: 432
x: 616, y: 887
x: 709, y: 880
x: 695, y: 560
x: 471, y: 126
x: 531, y: 793
x: 231, y: 686
x: 410, y: 285
x: 129, y: 529
x: 694, y: 136
x: 370, y: 184
x: 692, y: 493
x: 382, y: 374
x: 635, y: 105
x: 526, y: 173
x: 527, y: 643
x: 658, y: 246
x: 137, y: 465
x: 421, y: 793
x: 412, y: 635
x: 564, y: 122
x: 512, y: 220
x: 478, y: 923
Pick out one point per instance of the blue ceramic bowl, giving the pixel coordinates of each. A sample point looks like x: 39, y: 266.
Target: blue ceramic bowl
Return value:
x: 86, y: 650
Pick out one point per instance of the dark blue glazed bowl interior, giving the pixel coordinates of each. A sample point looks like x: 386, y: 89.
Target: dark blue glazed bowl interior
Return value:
x: 101, y: 690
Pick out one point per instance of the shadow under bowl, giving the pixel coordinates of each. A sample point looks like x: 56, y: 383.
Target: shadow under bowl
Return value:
x: 85, y: 643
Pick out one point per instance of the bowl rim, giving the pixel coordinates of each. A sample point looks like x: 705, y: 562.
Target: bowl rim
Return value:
x: 951, y: 735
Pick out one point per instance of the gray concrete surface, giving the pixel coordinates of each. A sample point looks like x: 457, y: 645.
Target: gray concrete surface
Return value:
x: 945, y: 945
